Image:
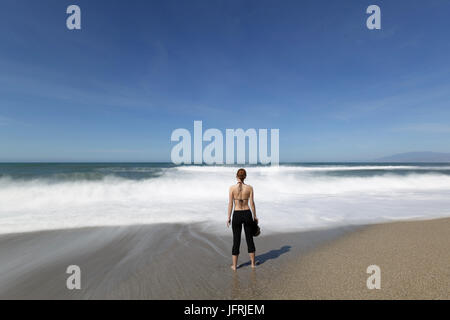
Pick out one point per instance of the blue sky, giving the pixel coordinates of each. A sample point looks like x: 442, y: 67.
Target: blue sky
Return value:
x: 115, y: 90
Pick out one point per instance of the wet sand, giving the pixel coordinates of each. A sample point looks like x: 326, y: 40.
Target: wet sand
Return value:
x: 182, y: 261
x: 168, y: 261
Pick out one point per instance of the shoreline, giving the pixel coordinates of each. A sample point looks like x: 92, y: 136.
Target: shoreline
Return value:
x: 165, y: 261
x: 180, y: 261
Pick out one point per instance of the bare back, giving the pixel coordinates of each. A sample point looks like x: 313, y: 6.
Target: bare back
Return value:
x: 241, y: 193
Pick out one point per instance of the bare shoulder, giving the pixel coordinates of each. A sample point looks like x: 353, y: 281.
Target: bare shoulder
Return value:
x: 249, y: 187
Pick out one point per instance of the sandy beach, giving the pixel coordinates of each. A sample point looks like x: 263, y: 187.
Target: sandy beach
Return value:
x: 413, y: 257
x: 182, y: 261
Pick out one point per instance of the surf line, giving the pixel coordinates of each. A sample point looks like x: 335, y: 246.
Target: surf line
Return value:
x: 213, y: 153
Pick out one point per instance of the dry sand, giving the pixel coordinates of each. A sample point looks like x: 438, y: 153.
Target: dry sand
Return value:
x: 181, y: 261
x: 414, y: 260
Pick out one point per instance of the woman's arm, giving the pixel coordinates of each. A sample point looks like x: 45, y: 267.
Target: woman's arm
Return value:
x: 230, y: 205
x: 252, y: 204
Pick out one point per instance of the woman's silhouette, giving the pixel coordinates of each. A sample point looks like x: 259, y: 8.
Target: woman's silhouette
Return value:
x: 239, y: 196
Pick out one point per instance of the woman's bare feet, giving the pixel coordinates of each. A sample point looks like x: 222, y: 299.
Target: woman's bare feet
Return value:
x: 255, y: 264
x: 234, y: 262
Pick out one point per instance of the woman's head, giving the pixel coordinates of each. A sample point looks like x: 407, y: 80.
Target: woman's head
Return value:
x: 241, y: 174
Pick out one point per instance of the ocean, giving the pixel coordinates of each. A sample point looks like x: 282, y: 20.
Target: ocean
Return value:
x: 290, y: 197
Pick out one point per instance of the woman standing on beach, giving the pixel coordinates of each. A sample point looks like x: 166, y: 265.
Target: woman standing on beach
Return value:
x: 239, y: 195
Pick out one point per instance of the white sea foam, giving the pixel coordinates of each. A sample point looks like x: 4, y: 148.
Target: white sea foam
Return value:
x: 287, y: 198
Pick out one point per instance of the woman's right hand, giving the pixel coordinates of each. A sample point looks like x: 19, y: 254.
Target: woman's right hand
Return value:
x: 228, y: 222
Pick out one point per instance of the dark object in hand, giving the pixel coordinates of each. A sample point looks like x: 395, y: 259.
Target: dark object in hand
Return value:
x: 255, y: 228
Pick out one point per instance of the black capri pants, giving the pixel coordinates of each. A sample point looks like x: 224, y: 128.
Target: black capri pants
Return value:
x: 242, y: 217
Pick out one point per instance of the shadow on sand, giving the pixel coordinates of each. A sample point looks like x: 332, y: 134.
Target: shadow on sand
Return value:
x: 270, y: 255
